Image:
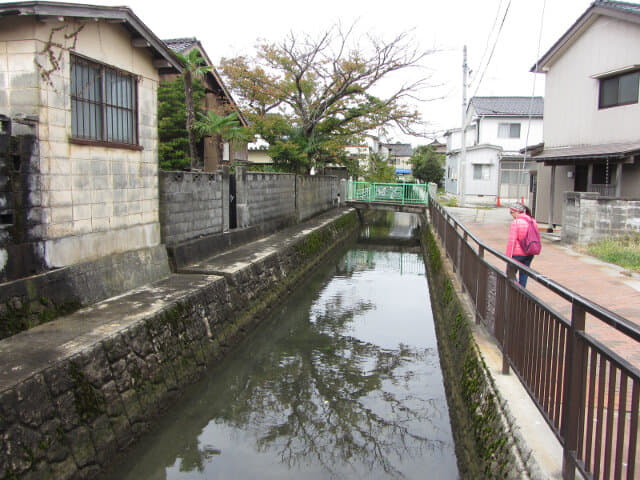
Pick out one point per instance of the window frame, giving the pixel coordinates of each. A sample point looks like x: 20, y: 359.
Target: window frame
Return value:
x: 103, y: 106
x: 484, y: 170
x: 511, y: 126
x: 617, y: 77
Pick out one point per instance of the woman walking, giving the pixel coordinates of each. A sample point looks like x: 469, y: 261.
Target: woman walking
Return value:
x: 517, y: 235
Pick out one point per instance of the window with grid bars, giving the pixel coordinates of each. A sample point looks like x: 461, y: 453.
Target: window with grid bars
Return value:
x: 103, y: 103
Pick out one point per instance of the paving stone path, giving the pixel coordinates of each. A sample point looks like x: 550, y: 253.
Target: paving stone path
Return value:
x: 605, y: 284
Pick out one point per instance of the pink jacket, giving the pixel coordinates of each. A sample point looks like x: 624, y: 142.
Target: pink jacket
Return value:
x: 518, y: 231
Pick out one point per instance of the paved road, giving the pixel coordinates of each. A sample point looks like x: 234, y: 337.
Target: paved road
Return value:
x: 603, y: 283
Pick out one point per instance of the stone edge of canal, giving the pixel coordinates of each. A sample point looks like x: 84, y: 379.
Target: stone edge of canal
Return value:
x: 487, y: 444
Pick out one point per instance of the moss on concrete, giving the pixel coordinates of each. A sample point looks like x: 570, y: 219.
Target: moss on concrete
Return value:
x: 482, y: 438
x: 89, y: 401
x: 17, y: 316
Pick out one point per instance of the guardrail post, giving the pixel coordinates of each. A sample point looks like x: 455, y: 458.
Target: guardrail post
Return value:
x: 573, y: 386
x: 480, y: 257
x: 506, y: 337
x: 465, y: 240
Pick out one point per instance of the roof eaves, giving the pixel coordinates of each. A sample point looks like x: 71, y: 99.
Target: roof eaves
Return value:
x: 596, y: 8
x: 195, y: 43
x: 124, y: 14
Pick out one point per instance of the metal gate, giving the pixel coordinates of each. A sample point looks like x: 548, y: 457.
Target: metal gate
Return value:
x: 233, y: 216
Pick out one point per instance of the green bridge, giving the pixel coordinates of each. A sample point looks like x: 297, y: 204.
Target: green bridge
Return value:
x: 404, y: 197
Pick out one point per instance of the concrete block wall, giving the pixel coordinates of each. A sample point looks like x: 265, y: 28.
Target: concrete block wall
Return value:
x: 315, y: 194
x: 587, y: 217
x: 196, y: 205
x: 191, y: 205
x: 267, y: 196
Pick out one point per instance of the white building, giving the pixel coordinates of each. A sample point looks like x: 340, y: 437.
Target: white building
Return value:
x: 493, y: 168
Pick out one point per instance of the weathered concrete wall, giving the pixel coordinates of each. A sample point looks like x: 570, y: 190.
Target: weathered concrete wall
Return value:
x: 38, y: 299
x: 587, y: 217
x: 100, y: 376
x: 191, y: 205
x: 315, y: 194
x: 86, y: 201
x: 21, y: 226
x: 194, y: 207
x: 264, y: 197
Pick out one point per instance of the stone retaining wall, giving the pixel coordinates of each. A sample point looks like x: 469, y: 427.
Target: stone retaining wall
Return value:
x: 92, y: 396
x: 588, y: 217
x: 486, y: 446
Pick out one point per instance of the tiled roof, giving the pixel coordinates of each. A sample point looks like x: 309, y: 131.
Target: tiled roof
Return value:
x: 399, y: 149
x: 57, y: 10
x: 626, y: 7
x: 574, y: 152
x: 508, y: 106
x: 179, y: 45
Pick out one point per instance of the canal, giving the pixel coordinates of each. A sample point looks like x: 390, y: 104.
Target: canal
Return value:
x: 342, y: 381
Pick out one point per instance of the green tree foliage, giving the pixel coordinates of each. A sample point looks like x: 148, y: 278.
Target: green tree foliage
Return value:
x: 380, y: 170
x: 227, y: 126
x: 172, y: 131
x: 426, y: 165
x: 194, y: 69
x: 308, y: 97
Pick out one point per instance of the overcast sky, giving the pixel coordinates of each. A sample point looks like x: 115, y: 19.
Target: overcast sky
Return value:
x: 229, y: 28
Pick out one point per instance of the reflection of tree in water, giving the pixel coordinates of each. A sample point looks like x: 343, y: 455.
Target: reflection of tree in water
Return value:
x: 312, y: 400
x: 307, y: 390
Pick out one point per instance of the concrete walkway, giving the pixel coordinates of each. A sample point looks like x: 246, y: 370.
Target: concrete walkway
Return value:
x: 605, y: 284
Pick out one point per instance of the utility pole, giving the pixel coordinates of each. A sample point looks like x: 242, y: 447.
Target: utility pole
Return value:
x: 463, y: 136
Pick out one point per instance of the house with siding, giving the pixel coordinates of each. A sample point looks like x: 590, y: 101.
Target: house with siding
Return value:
x: 591, y: 114
x: 212, y: 150
x: 399, y: 156
x: 79, y: 144
x: 493, y: 169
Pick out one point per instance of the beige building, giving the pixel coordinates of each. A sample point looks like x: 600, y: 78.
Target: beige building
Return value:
x: 591, y: 109
x: 79, y: 87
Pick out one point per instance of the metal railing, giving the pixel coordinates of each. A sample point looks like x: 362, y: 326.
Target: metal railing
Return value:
x: 399, y: 193
x: 588, y: 393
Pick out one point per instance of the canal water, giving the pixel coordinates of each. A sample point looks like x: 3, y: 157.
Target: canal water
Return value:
x: 343, y: 381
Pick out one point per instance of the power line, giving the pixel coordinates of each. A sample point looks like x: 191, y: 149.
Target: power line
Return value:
x: 533, y: 89
x: 493, y: 49
x: 493, y: 27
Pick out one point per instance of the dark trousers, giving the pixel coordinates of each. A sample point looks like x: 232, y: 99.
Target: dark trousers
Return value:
x: 525, y: 260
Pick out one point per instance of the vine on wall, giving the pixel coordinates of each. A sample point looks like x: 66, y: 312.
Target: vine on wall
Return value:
x: 53, y: 51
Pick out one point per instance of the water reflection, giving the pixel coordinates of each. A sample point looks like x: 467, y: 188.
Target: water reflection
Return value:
x: 390, y: 227
x: 390, y: 261
x: 343, y: 382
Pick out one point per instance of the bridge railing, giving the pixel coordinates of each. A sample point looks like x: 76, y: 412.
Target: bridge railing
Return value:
x: 587, y: 392
x: 398, y: 193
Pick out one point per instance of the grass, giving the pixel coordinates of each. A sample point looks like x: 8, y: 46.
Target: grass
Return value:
x: 448, y: 202
x: 622, y: 251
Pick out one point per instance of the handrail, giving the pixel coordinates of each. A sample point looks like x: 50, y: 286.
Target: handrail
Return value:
x: 396, y: 193
x: 611, y: 318
x: 588, y: 393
